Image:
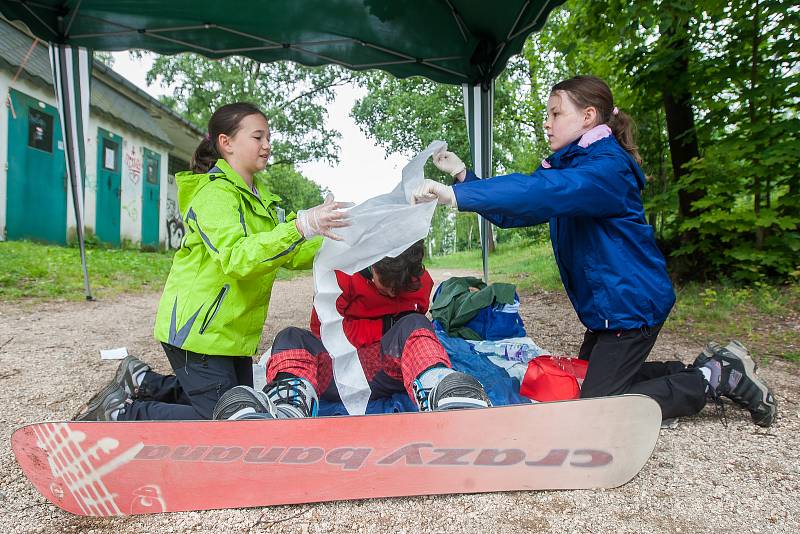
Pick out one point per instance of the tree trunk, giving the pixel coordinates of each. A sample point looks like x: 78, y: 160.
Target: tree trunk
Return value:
x: 757, y: 193
x: 679, y: 115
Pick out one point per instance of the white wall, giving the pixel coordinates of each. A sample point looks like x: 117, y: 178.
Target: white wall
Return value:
x: 130, y: 182
x: 132, y: 169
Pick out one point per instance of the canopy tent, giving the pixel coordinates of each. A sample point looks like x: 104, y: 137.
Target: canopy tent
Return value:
x: 449, y: 41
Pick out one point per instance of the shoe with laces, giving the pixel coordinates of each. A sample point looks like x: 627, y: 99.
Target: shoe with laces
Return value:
x: 441, y: 388
x: 293, y: 397
x: 128, y: 374
x: 105, y: 405
x: 733, y: 375
x: 244, y: 402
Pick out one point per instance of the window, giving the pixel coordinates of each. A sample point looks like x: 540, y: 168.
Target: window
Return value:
x: 40, y: 130
x: 152, y: 171
x: 110, y: 150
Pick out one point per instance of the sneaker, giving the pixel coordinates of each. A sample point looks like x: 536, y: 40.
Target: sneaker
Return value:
x: 105, y: 405
x: 293, y: 397
x: 442, y: 388
x: 733, y: 375
x: 128, y: 374
x: 243, y: 402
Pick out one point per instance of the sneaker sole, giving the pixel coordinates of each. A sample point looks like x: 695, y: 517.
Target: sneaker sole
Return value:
x: 241, y: 395
x: 96, y: 401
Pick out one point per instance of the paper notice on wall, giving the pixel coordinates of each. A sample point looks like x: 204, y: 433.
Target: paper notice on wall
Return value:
x: 382, y: 226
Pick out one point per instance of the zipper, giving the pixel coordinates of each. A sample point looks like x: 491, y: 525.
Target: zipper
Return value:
x: 214, y: 308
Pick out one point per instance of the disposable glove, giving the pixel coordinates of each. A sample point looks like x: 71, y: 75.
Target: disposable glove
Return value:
x: 322, y: 219
x: 430, y: 190
x: 448, y: 162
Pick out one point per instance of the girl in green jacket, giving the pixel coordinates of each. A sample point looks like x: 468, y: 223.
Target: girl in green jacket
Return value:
x: 215, y: 301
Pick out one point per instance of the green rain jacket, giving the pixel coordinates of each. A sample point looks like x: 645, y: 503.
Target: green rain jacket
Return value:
x: 216, y: 297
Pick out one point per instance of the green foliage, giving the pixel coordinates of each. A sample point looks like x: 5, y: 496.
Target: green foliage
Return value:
x: 736, y: 61
x: 297, y: 191
x: 294, y: 97
x: 742, y: 74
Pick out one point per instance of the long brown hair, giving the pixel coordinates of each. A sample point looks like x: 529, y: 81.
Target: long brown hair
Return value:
x: 226, y: 120
x: 585, y: 91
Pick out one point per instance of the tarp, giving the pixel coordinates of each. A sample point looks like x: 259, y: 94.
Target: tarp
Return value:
x: 450, y: 41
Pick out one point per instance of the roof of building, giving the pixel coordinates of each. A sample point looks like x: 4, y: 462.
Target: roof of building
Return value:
x: 110, y: 92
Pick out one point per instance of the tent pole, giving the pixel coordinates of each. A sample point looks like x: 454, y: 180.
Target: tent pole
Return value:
x: 479, y: 112
x: 71, y: 68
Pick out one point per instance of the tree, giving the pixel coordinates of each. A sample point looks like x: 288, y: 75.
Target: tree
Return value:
x: 294, y: 97
x: 405, y: 115
x: 297, y: 191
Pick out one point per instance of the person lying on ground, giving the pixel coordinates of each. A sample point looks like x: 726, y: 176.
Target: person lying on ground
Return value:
x: 589, y: 189
x: 384, y: 309
x: 213, y: 307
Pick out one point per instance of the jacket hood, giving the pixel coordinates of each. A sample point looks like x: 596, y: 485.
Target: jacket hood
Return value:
x: 593, y: 141
x: 190, y: 184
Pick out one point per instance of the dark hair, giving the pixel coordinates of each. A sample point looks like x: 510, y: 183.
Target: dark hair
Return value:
x: 226, y: 120
x: 587, y: 91
x: 403, y: 272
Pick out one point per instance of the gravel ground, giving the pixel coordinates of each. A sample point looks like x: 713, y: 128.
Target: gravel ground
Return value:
x: 703, y: 476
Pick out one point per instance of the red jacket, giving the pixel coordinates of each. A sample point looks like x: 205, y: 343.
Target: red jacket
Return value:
x: 363, y: 308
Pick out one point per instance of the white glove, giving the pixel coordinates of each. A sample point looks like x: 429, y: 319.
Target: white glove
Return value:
x: 322, y: 219
x: 448, y: 162
x: 430, y: 190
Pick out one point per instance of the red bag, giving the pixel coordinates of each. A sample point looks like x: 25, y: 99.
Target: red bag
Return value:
x: 552, y: 378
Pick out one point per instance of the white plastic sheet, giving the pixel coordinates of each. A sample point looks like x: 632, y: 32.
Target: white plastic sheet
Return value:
x: 382, y: 226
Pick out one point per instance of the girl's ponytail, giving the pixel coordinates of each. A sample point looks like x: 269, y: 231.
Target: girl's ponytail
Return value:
x: 205, y: 156
x: 624, y: 129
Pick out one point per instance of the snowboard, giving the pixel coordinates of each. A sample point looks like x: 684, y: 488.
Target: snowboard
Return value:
x: 120, y: 468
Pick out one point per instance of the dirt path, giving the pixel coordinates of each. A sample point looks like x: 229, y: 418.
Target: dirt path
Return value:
x: 703, y: 476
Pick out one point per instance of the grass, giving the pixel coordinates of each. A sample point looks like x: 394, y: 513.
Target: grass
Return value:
x: 42, y: 272
x: 528, y: 266
x: 764, y: 317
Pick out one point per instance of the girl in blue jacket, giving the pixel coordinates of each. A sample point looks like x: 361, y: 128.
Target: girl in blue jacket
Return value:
x: 589, y: 190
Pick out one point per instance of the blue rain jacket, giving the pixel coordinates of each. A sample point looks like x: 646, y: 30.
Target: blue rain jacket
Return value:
x: 606, y: 252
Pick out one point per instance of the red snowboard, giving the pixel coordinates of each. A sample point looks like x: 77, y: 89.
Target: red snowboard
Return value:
x: 123, y: 468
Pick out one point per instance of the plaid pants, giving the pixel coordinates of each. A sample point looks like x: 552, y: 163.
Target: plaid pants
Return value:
x: 407, y: 349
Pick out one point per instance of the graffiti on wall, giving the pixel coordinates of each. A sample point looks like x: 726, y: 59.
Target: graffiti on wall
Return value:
x: 175, y: 229
x: 133, y: 160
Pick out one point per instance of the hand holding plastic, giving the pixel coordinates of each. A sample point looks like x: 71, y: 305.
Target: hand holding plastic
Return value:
x: 448, y: 162
x: 322, y: 219
x: 431, y: 190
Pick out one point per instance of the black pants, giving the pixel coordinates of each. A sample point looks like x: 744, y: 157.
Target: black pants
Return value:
x: 193, y: 391
x: 617, y: 365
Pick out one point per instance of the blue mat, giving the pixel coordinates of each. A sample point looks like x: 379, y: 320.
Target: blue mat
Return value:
x: 501, y: 388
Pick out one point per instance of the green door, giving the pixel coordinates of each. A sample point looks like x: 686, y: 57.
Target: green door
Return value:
x: 109, y: 189
x: 36, y: 204
x: 150, y: 198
